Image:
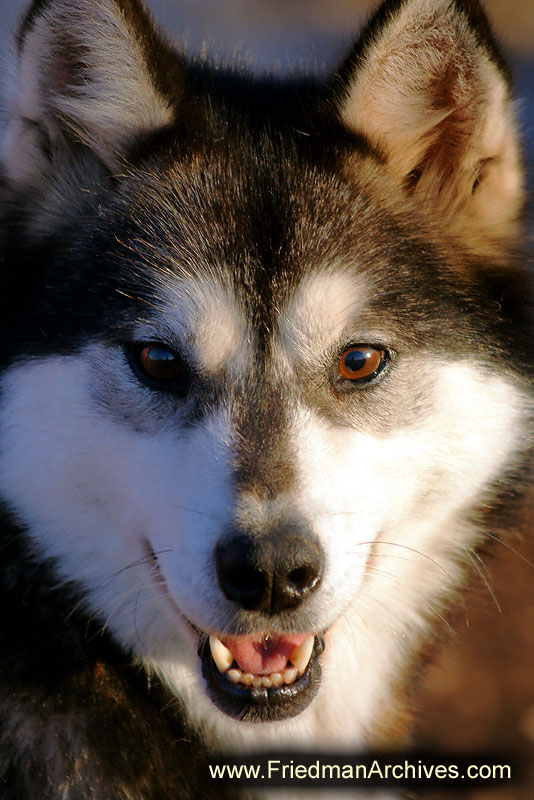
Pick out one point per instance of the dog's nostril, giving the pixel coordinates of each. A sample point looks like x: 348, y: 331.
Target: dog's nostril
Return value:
x: 298, y: 571
x: 244, y: 580
x: 302, y: 578
x: 240, y: 577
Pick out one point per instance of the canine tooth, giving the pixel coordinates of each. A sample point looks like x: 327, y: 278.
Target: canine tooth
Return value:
x: 247, y: 678
x: 289, y: 674
x: 277, y: 679
x: 221, y: 655
x: 301, y: 654
x: 234, y: 675
x: 267, y: 682
x: 257, y: 681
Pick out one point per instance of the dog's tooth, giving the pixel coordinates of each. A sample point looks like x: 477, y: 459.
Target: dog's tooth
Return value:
x: 289, y: 674
x: 222, y: 656
x: 247, y: 678
x: 266, y: 681
x: 235, y: 675
x: 257, y: 681
x: 301, y: 654
x: 277, y: 678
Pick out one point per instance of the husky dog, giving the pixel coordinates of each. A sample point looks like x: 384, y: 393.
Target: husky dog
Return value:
x: 265, y: 389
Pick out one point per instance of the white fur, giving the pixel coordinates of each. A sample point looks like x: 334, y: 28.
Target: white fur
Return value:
x: 116, y: 101
x: 387, y: 509
x: 207, y: 313
x: 105, y: 477
x: 427, y: 82
x: 320, y: 310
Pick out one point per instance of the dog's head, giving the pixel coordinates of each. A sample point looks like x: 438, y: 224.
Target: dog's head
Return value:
x: 264, y: 369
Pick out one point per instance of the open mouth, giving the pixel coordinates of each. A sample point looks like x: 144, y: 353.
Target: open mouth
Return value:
x: 262, y: 677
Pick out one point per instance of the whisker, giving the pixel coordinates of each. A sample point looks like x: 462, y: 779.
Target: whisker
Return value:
x: 472, y: 556
x: 509, y: 547
x: 413, y: 550
x: 441, y: 617
x: 197, y: 511
x: 143, y: 560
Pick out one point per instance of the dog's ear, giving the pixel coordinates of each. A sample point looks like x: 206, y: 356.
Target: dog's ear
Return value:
x: 85, y: 72
x: 426, y: 84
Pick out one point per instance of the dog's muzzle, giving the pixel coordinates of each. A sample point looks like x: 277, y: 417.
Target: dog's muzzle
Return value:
x: 267, y: 675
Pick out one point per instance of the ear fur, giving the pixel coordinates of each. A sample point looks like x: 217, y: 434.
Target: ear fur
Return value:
x: 428, y: 87
x: 84, y: 73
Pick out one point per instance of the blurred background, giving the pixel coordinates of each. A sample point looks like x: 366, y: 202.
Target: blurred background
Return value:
x: 478, y: 694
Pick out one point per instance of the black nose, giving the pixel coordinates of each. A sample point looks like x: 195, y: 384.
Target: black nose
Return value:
x: 269, y: 572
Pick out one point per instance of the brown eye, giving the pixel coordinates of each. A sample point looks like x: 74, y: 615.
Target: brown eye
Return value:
x: 160, y: 363
x: 361, y: 362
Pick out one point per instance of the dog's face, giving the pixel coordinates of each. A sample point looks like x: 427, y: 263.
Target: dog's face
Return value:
x: 265, y: 392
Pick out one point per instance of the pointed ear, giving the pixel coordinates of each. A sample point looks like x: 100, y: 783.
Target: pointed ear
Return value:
x: 428, y: 87
x: 85, y: 72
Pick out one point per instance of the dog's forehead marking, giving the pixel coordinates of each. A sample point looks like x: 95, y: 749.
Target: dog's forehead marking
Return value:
x: 319, y: 313
x: 206, y: 313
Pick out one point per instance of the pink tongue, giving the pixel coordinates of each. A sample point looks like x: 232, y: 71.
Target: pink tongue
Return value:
x: 261, y: 654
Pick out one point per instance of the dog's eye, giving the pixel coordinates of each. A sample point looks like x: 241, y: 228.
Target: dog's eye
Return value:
x: 158, y: 366
x: 160, y: 363
x: 362, y: 363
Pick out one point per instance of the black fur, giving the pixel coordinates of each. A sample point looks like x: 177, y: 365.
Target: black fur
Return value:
x: 255, y: 165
